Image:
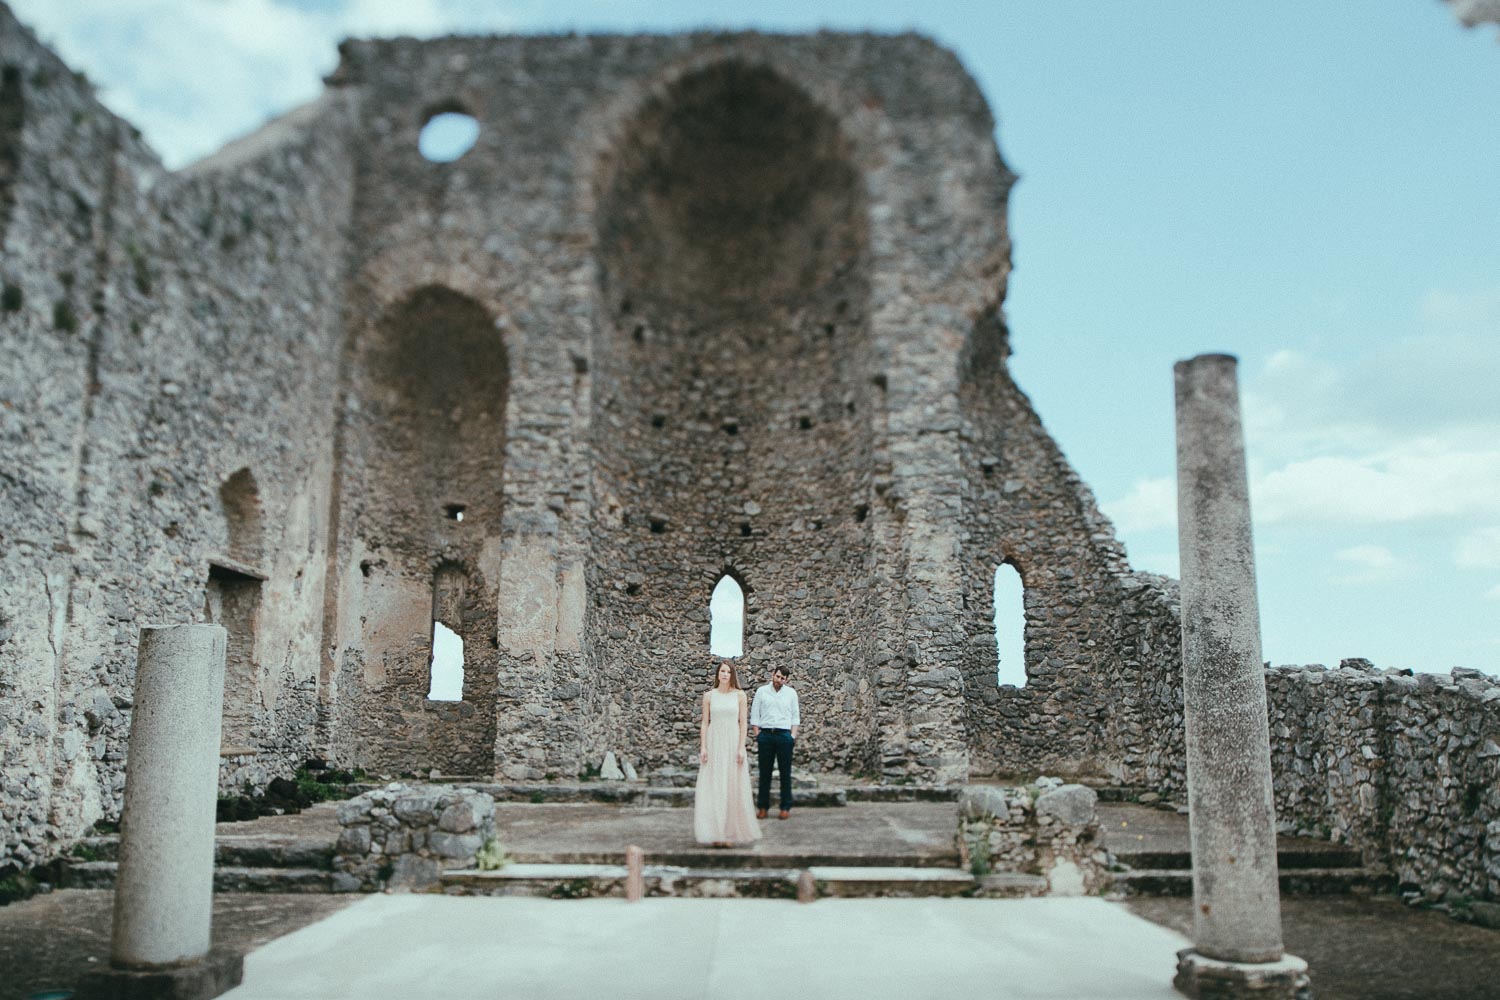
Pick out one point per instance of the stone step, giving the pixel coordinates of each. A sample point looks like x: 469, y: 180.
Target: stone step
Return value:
x: 1296, y: 882
x: 579, y: 881
x: 233, y: 851
x: 231, y: 878
x: 1287, y: 859
x: 731, y: 858
x: 635, y: 793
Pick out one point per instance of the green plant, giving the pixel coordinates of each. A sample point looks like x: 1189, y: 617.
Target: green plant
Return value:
x: 11, y: 298
x: 573, y: 888
x: 86, y: 852
x: 979, y: 858
x: 325, y: 786
x: 16, y: 887
x: 491, y: 857
x: 537, y: 798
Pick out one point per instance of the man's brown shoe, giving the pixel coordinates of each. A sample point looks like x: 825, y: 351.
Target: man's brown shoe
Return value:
x: 784, y: 814
x: 760, y: 814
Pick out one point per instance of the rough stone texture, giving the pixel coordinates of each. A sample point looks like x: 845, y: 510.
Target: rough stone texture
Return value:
x: 406, y: 836
x: 164, y: 891
x: 1010, y: 830
x: 162, y: 333
x: 1204, y: 978
x: 254, y: 390
x: 1232, y: 816
x: 1404, y: 768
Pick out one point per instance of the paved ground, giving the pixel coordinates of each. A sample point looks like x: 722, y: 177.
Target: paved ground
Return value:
x: 1362, y: 948
x: 49, y: 941
x: 1358, y: 947
x: 878, y: 833
x: 716, y: 949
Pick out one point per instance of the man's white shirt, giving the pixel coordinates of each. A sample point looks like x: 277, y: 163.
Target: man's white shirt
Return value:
x: 773, y: 709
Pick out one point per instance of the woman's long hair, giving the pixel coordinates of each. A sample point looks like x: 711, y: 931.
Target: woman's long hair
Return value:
x: 734, y: 675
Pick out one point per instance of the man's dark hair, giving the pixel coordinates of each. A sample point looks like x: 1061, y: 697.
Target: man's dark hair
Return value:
x: 783, y: 671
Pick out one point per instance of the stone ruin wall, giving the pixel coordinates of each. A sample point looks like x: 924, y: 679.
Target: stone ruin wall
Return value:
x: 1404, y: 768
x: 1095, y: 633
x: 165, y: 337
x: 220, y: 401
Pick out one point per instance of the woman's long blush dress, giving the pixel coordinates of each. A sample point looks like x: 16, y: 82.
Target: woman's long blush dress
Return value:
x: 722, y: 809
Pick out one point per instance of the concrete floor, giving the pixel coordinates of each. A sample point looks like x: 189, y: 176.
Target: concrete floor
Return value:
x: 712, y: 949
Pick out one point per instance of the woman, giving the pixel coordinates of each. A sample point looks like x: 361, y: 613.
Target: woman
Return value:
x: 722, y: 812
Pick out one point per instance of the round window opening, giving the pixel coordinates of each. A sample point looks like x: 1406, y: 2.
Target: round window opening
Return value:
x: 447, y: 136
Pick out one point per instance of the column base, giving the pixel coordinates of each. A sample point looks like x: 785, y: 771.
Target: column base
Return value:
x: 216, y: 974
x: 1204, y: 978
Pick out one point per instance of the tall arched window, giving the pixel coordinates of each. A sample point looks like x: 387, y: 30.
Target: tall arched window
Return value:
x: 447, y: 683
x: 1010, y: 627
x: 446, y: 664
x: 726, y: 616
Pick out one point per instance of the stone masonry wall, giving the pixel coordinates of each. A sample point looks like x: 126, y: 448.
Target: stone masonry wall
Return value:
x: 1404, y: 768
x: 257, y: 390
x: 1095, y: 633
x: 162, y: 334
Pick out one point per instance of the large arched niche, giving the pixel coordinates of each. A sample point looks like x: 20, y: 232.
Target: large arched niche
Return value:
x: 424, y: 486
x: 734, y: 408
x: 731, y: 190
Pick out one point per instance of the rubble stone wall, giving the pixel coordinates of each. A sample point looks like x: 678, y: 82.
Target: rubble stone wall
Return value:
x: 164, y: 388
x: 1404, y: 768
x: 693, y: 306
x: 1049, y: 830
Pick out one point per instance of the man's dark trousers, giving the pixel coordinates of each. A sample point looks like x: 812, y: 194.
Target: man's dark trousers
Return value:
x: 774, y: 745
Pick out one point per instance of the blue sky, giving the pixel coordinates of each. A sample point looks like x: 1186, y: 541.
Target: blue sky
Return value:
x: 1310, y: 186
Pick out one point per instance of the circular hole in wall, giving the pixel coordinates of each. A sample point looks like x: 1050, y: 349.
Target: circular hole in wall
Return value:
x: 447, y: 136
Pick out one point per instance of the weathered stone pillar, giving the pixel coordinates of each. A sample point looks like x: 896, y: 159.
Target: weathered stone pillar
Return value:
x: 164, y: 890
x: 1236, y: 899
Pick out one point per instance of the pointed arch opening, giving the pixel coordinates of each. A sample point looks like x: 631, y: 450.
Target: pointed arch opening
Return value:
x: 1010, y: 626
x: 726, y: 616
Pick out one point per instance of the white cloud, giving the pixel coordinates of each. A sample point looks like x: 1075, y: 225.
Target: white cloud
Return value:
x: 1479, y: 549
x: 193, y: 74
x: 1150, y: 505
x: 1456, y: 475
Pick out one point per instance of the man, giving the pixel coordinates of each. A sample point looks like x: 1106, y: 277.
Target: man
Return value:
x: 775, y: 718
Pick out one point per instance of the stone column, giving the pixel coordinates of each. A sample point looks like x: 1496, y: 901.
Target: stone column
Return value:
x: 164, y: 889
x: 1236, y: 899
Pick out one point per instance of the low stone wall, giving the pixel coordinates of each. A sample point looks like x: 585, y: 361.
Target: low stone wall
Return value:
x: 405, y: 837
x: 1049, y: 830
x: 1404, y: 768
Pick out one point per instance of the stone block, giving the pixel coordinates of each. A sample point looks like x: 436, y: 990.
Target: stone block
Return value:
x: 354, y: 840
x: 412, y: 871
x: 457, y: 818
x: 345, y: 882
x: 454, y: 845
x: 415, y: 810
x: 979, y: 801
x: 1072, y: 804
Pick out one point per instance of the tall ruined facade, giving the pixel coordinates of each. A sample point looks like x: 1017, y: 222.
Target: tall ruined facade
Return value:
x: 692, y: 306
